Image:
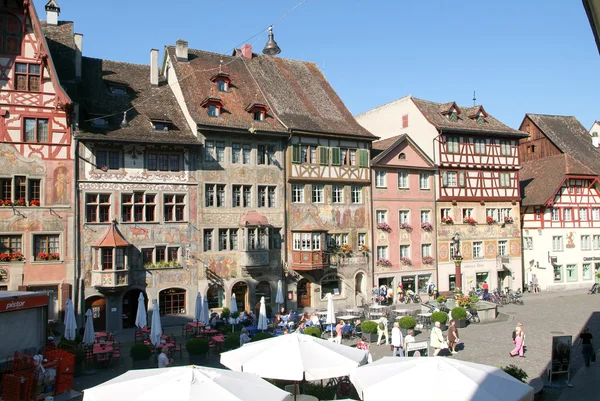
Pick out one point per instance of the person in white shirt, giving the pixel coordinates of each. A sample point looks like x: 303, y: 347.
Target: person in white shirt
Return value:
x: 382, y: 329
x: 397, y: 340
x: 244, y: 338
x: 314, y: 319
x: 163, y: 360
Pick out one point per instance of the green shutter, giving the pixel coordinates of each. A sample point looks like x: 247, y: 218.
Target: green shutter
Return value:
x: 296, y: 153
x: 335, y: 156
x: 363, y: 158
x: 323, y: 155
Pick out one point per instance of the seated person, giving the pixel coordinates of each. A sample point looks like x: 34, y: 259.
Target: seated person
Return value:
x: 244, y: 337
x: 304, y: 317
x: 301, y: 327
x: 163, y: 360
x: 315, y: 320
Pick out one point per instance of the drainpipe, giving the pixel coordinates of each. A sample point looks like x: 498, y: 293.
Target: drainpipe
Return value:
x: 78, y: 295
x: 436, y: 214
x: 372, y: 220
x: 284, y: 287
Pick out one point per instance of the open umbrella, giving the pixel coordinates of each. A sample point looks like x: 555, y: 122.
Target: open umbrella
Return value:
x: 186, y: 383
x: 198, y: 311
x: 330, y: 313
x: 453, y: 379
x: 262, y: 315
x: 70, y: 322
x: 89, y: 336
x: 156, y: 329
x: 205, y: 315
x: 279, y: 297
x: 140, y: 317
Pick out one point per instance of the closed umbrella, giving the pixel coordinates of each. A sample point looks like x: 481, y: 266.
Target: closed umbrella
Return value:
x: 140, y: 317
x: 89, y: 336
x: 198, y: 311
x: 205, y: 315
x: 330, y: 313
x: 233, y: 309
x: 262, y: 315
x: 156, y: 329
x: 454, y: 380
x: 70, y: 322
x: 186, y: 383
x: 279, y: 297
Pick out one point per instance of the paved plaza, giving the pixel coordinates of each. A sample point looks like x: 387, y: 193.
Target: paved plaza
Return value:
x: 543, y: 315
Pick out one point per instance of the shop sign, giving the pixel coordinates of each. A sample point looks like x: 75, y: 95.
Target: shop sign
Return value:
x: 585, y: 258
x: 9, y: 305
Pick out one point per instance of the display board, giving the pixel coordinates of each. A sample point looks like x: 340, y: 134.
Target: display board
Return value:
x: 28, y: 324
x: 561, y: 356
x: 418, y: 348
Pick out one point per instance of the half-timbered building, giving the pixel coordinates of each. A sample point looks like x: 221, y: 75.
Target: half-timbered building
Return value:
x: 561, y: 202
x: 476, y: 187
x: 36, y: 163
x: 403, y: 212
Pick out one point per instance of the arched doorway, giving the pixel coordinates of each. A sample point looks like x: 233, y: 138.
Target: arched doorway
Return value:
x: 98, y: 306
x: 172, y: 302
x: 303, y: 290
x: 216, y: 296
x: 263, y: 289
x: 240, y: 289
x: 130, y: 305
x: 359, y: 283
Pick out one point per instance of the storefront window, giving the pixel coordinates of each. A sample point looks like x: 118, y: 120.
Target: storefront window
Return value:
x: 587, y: 271
x: 331, y: 285
x: 558, y: 273
x: 571, y: 272
x: 172, y: 302
x: 423, y: 280
x: 481, y: 278
x: 452, y: 281
x: 216, y: 296
x: 408, y: 283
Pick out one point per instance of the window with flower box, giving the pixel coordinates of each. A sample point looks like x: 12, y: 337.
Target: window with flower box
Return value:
x: 425, y: 216
x: 337, y: 240
x: 382, y: 252
x: 160, y: 256
x: 46, y: 247
x: 20, y: 191
x: 405, y: 251
x: 425, y: 250
x: 97, y: 208
x: 11, y: 248
x: 174, y: 207
x: 138, y: 207
x: 381, y: 216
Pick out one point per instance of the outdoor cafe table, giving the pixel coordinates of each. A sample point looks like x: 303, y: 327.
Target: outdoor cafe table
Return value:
x: 168, y: 345
x: 347, y: 317
x: 101, y: 336
x: 102, y: 348
x: 196, y: 326
x: 377, y: 306
x: 321, y: 312
x: 401, y: 311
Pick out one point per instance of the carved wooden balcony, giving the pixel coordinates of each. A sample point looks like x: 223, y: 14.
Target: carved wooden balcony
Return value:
x: 309, y: 260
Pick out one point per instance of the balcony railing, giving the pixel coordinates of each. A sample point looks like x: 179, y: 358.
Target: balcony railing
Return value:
x: 254, y: 258
x: 110, y: 278
x: 309, y: 260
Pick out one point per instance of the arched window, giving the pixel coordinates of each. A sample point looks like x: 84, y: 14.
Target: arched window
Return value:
x: 172, y: 301
x: 10, y: 29
x: 331, y: 285
x: 359, y: 282
x: 216, y: 296
x: 240, y: 290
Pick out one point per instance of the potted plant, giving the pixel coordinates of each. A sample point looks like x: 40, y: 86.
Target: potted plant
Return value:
x: 441, y: 317
x: 197, y: 348
x: 17, y: 256
x: 313, y: 331
x: 384, y: 227
x: 407, y: 323
x: 428, y: 260
x: 406, y: 261
x: 384, y: 262
x: 406, y: 226
x: 459, y: 315
x: 225, y: 314
x: 447, y: 220
x: 369, y: 329
x: 364, y: 249
x: 427, y: 227
x: 140, y: 353
x: 490, y: 220
x: 515, y: 372
x: 441, y: 299
x: 473, y: 298
x: 20, y: 202
x: 470, y: 221
x: 261, y: 336
x: 34, y: 202
x: 232, y: 341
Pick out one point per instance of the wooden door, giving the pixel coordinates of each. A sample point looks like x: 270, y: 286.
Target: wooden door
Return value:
x: 303, y: 293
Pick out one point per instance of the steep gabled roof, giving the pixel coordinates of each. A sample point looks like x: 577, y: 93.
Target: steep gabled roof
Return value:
x: 569, y: 136
x: 385, y: 146
x: 436, y: 114
x: 540, y: 179
x: 61, y: 43
x: 112, y: 239
x: 297, y: 94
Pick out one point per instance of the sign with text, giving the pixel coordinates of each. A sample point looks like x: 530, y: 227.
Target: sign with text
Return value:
x: 9, y: 305
x: 417, y: 348
x: 561, y: 354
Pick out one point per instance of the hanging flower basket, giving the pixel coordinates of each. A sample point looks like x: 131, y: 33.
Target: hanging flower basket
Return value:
x: 469, y: 220
x: 508, y: 220
x: 406, y: 226
x: 490, y: 220
x: 428, y: 260
x: 447, y: 220
x: 427, y: 227
x: 34, y: 202
x: 384, y: 226
x: 406, y: 261
x: 384, y: 262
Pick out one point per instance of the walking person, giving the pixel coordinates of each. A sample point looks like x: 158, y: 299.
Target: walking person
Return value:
x: 536, y: 287
x: 436, y: 339
x: 382, y: 329
x: 397, y: 340
x: 519, y: 342
x: 585, y: 341
x: 338, y: 331
x: 452, y: 336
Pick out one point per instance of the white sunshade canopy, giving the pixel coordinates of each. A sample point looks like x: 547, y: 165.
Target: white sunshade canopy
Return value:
x: 295, y: 357
x: 437, y: 378
x: 186, y: 383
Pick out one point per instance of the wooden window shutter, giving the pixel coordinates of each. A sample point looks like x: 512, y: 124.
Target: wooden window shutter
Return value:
x: 461, y: 179
x: 323, y: 155
x: 363, y: 158
x: 444, y: 179
x: 296, y: 153
x: 335, y: 156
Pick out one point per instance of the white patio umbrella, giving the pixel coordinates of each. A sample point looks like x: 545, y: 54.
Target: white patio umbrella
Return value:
x: 70, y: 322
x: 279, y: 297
x: 156, y: 329
x: 89, y: 336
x: 295, y: 357
x: 186, y: 383
x: 141, y: 320
x: 205, y: 315
x: 198, y: 311
x: 330, y: 312
x: 262, y: 315
x: 233, y: 307
x: 454, y: 380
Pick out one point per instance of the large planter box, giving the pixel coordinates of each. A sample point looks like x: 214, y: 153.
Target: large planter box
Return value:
x: 460, y: 324
x: 371, y: 337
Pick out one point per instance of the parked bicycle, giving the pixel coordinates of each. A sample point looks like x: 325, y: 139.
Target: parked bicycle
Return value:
x: 410, y: 296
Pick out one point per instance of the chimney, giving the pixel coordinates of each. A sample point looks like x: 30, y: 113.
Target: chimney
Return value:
x: 52, y: 11
x: 154, y: 68
x: 595, y: 139
x: 247, y: 51
x: 181, y: 50
x: 78, y: 38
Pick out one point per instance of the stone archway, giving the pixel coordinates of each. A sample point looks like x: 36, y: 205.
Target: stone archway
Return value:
x: 97, y: 304
x: 242, y: 294
x: 130, y: 305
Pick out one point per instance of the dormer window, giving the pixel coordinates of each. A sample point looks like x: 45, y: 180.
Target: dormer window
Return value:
x: 258, y: 110
x: 161, y: 125
x: 480, y: 120
x: 222, y: 80
x: 213, y: 111
x: 213, y: 106
x: 118, y: 90
x: 478, y: 114
x: 222, y: 85
x: 453, y: 117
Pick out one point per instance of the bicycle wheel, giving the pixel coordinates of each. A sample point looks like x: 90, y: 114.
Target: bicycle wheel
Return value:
x: 417, y: 299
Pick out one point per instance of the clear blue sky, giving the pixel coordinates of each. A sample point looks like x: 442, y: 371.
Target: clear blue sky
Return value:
x: 536, y: 56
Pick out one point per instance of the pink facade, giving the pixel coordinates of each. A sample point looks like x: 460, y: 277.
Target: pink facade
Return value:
x: 404, y: 199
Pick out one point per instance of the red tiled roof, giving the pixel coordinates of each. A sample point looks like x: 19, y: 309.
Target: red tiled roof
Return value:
x: 112, y: 239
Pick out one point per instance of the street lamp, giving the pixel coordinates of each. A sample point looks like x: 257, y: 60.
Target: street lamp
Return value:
x: 457, y: 257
